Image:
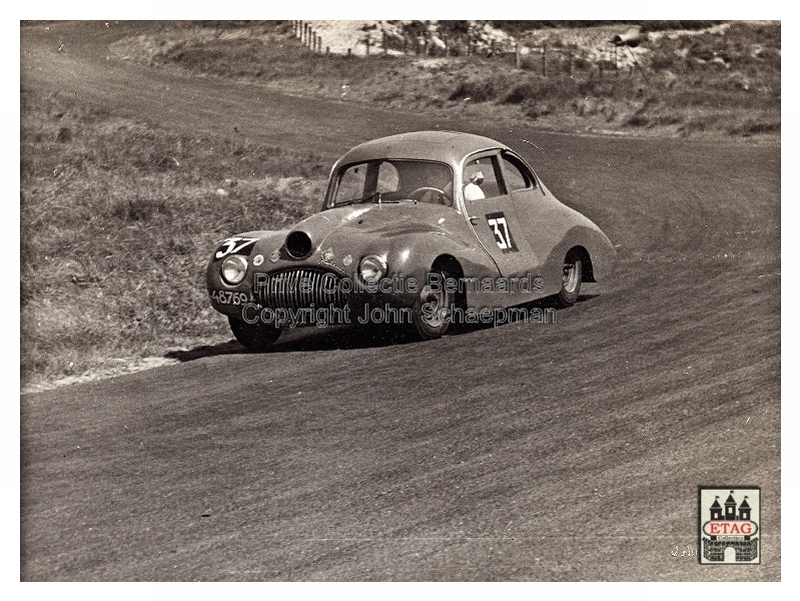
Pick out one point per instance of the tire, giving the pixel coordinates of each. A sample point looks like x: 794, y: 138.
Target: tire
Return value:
x: 571, y: 281
x: 256, y: 336
x: 431, y: 312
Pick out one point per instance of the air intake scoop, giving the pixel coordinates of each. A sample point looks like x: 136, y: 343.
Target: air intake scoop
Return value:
x: 298, y: 245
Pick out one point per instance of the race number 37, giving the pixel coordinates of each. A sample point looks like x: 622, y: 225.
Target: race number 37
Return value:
x: 502, y: 235
x: 233, y: 245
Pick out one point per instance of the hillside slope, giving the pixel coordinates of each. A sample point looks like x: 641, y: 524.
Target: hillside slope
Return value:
x: 720, y: 79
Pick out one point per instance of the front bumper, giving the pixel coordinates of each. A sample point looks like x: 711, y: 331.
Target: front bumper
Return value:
x: 306, y: 296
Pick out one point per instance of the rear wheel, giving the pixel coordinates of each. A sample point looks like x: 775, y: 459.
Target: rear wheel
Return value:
x: 254, y: 336
x: 571, y: 281
x: 431, y: 313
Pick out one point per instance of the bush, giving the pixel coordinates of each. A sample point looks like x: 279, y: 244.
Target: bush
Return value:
x: 520, y: 93
x: 477, y: 91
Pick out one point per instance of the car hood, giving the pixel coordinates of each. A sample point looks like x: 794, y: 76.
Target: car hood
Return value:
x: 376, y: 222
x: 334, y: 238
x: 384, y: 219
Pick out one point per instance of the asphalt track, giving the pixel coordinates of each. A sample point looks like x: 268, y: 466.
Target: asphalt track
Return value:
x: 549, y: 452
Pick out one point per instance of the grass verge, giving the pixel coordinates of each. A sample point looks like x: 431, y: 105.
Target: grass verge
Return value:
x: 118, y: 219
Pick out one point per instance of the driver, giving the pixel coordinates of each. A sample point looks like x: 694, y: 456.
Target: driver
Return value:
x: 428, y: 180
x: 472, y: 191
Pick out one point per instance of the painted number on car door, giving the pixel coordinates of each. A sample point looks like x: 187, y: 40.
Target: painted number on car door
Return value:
x: 502, y: 235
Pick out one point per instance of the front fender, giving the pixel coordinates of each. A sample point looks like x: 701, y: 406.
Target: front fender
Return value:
x: 224, y: 297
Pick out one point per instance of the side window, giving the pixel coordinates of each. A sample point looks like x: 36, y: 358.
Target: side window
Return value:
x: 481, y: 179
x: 351, y: 184
x: 517, y: 175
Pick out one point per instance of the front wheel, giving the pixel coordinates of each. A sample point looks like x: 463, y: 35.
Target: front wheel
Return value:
x: 571, y: 281
x: 431, y: 314
x: 256, y: 336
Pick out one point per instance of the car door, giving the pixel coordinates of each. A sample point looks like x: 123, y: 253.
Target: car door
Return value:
x: 544, y: 221
x: 493, y: 217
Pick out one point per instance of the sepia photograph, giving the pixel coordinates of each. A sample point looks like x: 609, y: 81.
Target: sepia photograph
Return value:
x: 400, y: 301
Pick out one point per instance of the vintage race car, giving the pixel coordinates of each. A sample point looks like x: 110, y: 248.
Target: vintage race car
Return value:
x: 422, y: 229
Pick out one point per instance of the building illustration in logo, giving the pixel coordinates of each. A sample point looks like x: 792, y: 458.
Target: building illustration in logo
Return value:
x: 729, y: 530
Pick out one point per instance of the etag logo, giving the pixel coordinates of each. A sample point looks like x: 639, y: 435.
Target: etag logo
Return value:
x: 729, y: 525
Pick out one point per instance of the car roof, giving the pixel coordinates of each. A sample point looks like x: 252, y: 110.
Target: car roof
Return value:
x: 446, y: 146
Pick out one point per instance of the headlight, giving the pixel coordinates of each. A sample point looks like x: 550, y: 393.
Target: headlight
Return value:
x: 234, y: 269
x: 371, y: 268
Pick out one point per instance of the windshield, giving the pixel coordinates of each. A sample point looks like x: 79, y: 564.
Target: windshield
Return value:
x: 393, y: 180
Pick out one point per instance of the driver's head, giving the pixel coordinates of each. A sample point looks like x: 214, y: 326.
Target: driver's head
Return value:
x: 476, y: 178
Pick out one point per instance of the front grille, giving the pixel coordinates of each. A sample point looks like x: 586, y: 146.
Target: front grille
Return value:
x: 300, y: 289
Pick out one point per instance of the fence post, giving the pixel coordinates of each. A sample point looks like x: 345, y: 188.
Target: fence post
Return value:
x: 544, y: 60
x: 367, y: 43
x: 385, y: 43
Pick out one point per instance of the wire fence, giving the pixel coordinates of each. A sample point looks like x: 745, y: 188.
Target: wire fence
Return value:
x: 547, y: 60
